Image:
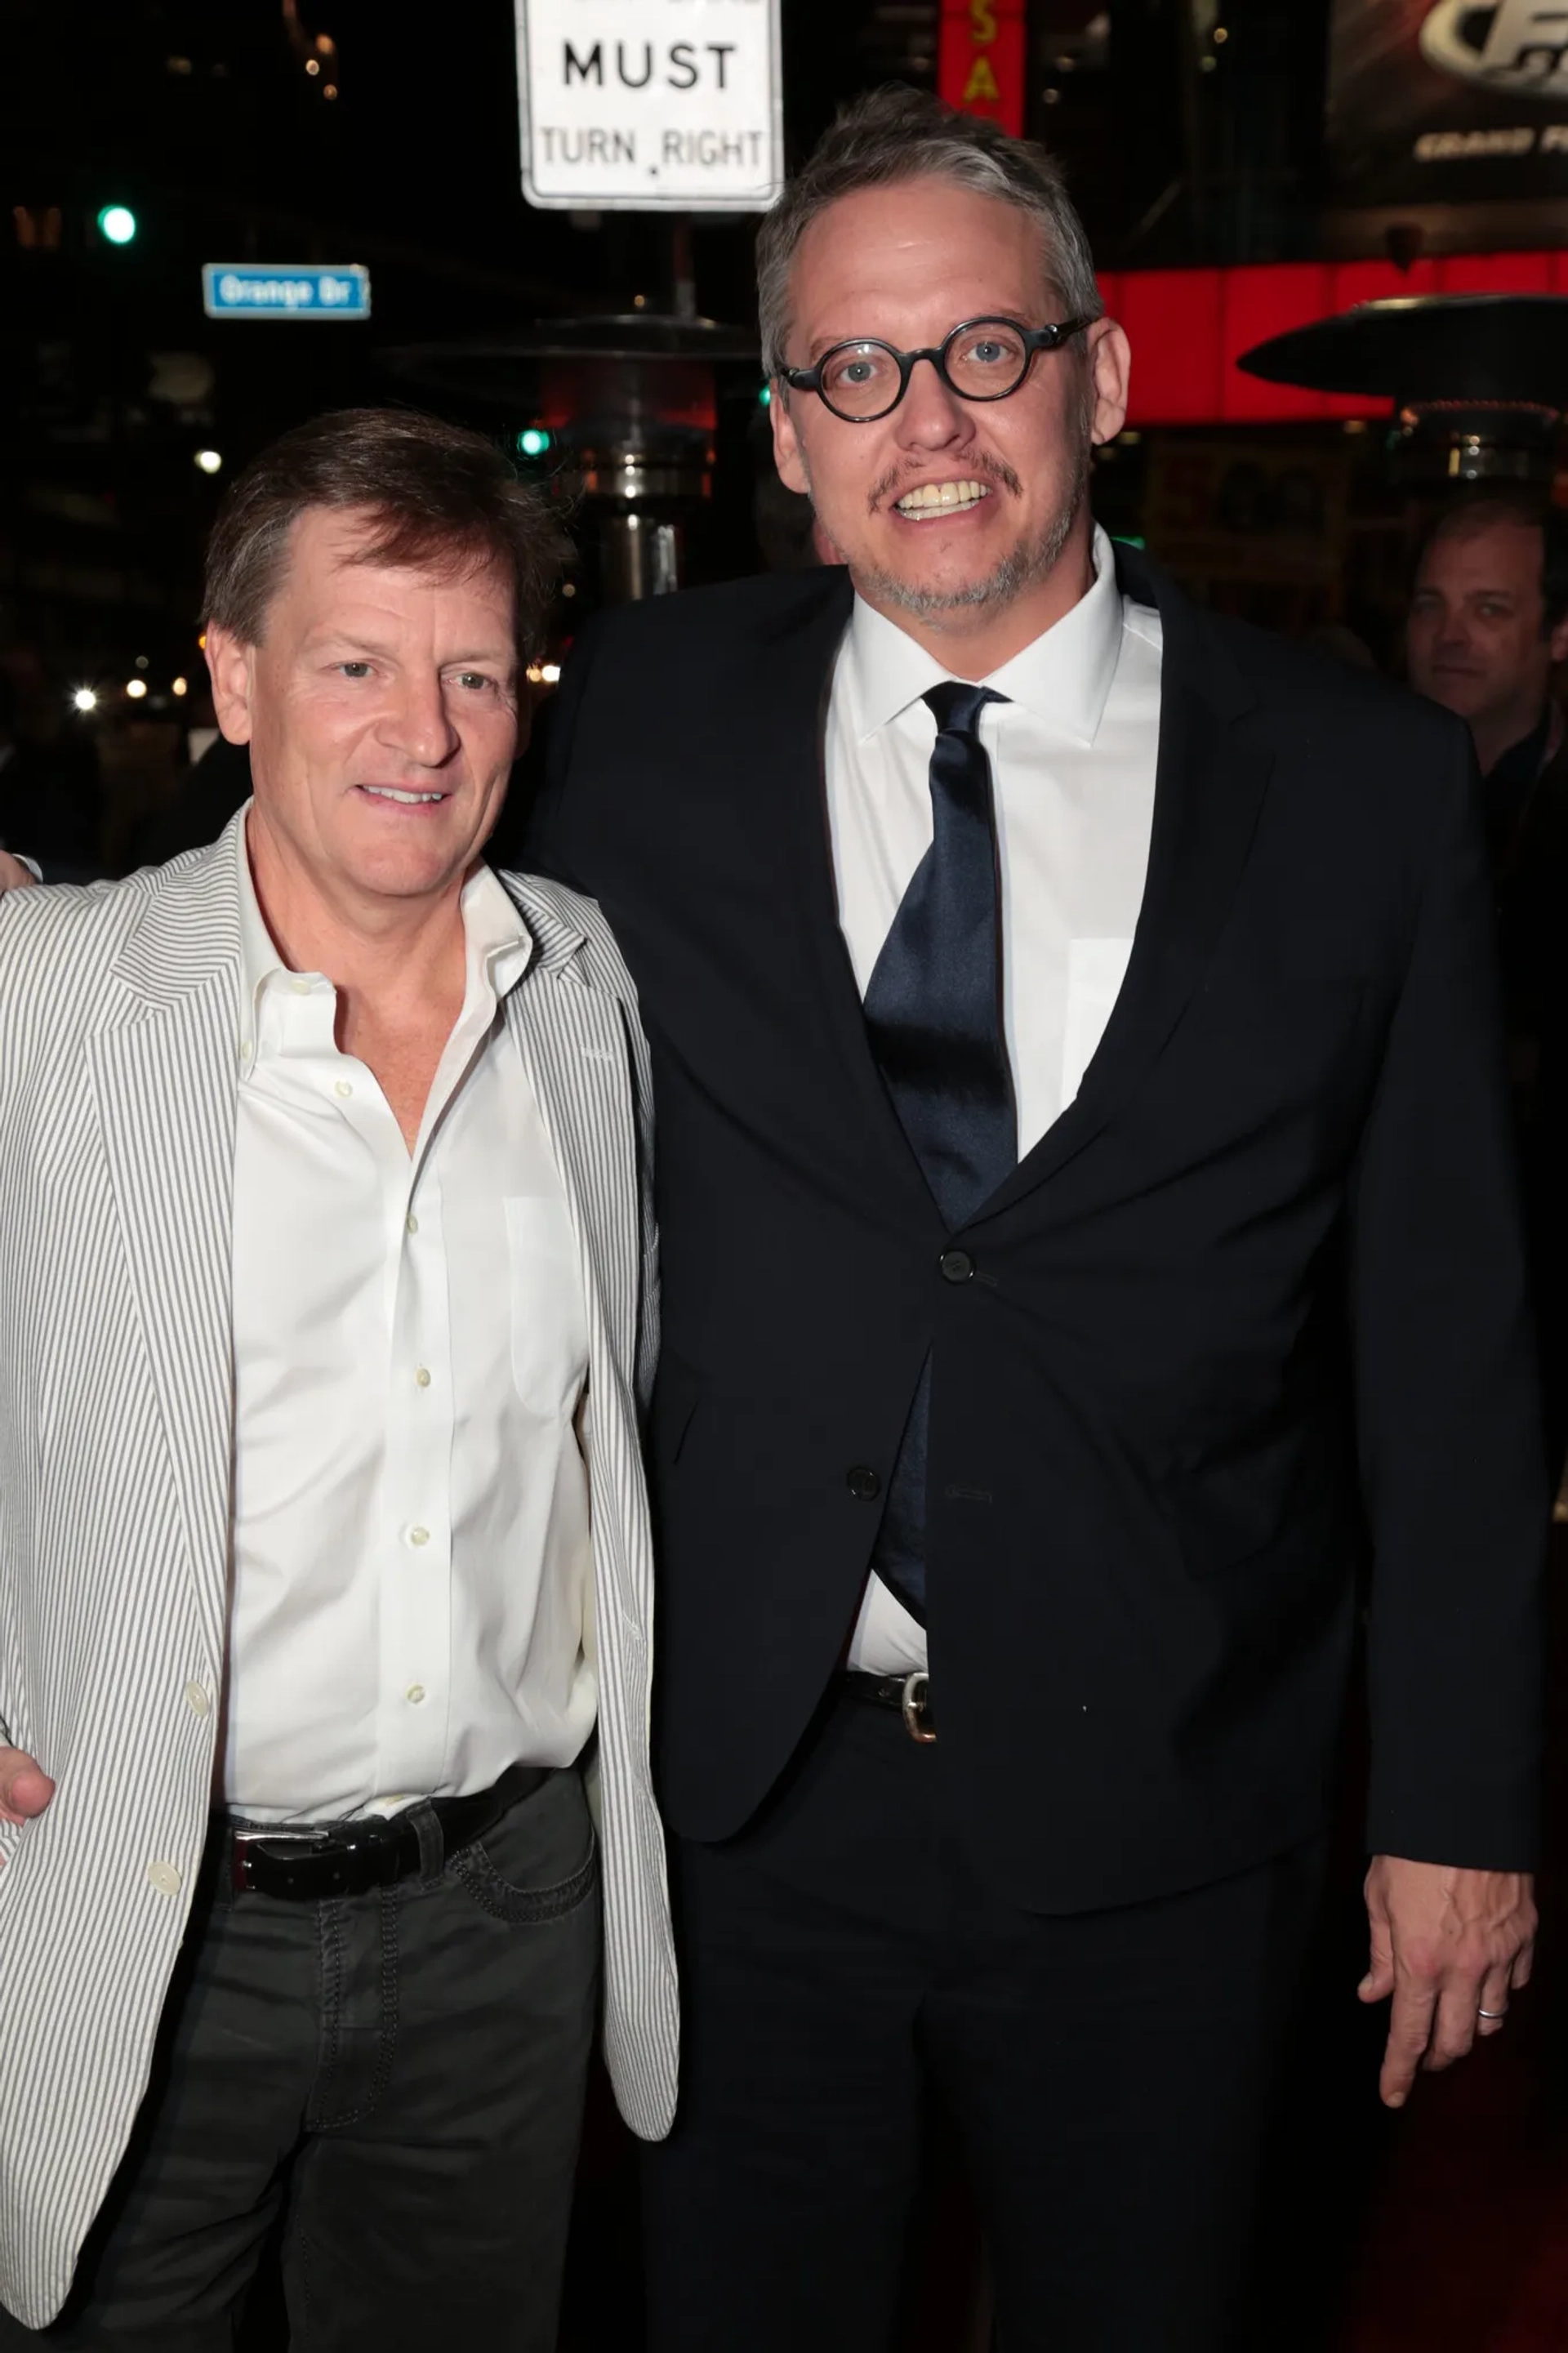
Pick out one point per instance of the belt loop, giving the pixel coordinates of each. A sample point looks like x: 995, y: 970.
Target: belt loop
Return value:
x: 426, y: 1829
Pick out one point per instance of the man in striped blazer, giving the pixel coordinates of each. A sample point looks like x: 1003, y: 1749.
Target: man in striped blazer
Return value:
x: 326, y: 1261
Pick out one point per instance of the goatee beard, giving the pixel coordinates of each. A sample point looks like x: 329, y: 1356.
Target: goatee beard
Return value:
x: 1022, y: 568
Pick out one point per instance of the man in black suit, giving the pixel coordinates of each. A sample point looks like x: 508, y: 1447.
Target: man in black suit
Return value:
x: 1088, y: 1235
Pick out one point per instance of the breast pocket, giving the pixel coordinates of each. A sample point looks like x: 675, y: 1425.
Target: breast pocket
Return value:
x: 549, y: 1318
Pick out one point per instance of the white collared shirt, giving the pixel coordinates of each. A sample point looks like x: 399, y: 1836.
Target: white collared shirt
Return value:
x: 1073, y: 753
x: 412, y: 1569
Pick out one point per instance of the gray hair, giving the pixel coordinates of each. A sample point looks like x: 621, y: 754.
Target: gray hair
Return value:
x: 896, y: 134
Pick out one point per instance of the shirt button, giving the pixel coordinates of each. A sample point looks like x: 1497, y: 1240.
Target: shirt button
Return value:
x: 418, y: 1535
x: 413, y: 1223
x: 244, y: 1049
x: 956, y: 1266
x: 197, y: 1701
x: 163, y: 1877
x: 414, y: 1694
x: 300, y: 988
x: 342, y: 1087
x: 863, y: 1483
x: 422, y: 1377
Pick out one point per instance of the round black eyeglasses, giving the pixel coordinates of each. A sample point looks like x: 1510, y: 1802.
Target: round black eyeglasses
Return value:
x: 983, y: 359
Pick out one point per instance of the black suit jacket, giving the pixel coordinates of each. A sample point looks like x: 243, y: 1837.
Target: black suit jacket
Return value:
x: 1254, y: 1300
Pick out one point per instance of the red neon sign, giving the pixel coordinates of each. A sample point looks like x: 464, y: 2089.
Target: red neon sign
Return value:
x: 1189, y: 327
x: 980, y: 58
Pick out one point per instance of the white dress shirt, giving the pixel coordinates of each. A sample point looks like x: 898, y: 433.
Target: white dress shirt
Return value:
x: 1072, y: 752
x: 411, y: 1555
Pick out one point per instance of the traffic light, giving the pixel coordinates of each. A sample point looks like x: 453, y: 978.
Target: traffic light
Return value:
x: 117, y: 223
x: 532, y: 441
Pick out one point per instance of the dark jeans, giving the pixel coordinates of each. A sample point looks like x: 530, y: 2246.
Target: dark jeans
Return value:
x: 1108, y: 2075
x: 404, y: 2069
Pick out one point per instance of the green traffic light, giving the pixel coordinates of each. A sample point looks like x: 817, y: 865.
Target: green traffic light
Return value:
x: 117, y: 222
x: 533, y: 442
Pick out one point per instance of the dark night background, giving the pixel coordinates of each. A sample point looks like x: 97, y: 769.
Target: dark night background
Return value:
x: 204, y: 121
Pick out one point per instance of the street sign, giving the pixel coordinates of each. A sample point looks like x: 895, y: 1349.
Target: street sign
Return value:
x: 254, y: 289
x: 650, y: 105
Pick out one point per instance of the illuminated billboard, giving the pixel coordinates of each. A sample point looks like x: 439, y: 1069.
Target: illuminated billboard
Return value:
x: 1448, y: 101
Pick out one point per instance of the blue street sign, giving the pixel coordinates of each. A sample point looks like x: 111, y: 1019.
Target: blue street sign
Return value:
x: 251, y: 290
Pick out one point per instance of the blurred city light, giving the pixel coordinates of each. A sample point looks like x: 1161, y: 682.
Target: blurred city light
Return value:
x: 118, y: 224
x: 765, y: 397
x: 532, y: 441
x: 135, y: 687
x: 84, y: 699
x: 181, y: 686
x: 550, y: 672
x: 209, y: 461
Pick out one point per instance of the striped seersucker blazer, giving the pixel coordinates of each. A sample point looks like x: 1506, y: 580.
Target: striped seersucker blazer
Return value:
x: 119, y: 1058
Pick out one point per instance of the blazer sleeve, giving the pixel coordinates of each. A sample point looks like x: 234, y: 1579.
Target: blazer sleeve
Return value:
x: 1448, y: 1416
x: 648, y: 1299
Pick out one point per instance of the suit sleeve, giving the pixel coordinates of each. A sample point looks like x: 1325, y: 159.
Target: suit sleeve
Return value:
x: 1448, y: 1416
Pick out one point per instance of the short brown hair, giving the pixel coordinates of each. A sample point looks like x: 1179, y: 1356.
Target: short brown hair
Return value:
x: 894, y: 135
x: 1526, y: 510
x: 435, y: 493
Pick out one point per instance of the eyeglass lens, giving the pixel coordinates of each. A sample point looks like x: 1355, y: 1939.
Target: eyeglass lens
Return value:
x: 986, y: 361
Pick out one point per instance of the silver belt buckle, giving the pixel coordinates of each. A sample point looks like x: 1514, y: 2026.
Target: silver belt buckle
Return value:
x: 238, y: 1872
x: 915, y: 1703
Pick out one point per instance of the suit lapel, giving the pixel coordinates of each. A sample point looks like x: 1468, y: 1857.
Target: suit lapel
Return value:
x: 1210, y: 781
x: 795, y: 679
x: 163, y: 1086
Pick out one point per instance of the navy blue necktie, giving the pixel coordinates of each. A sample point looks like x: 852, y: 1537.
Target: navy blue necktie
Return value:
x: 933, y: 1012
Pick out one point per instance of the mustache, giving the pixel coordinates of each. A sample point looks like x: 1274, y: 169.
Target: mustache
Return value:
x: 901, y: 479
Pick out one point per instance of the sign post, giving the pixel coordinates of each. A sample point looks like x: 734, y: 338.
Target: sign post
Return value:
x: 650, y: 105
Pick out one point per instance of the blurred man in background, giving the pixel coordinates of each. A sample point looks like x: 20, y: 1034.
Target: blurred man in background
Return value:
x: 1487, y: 629
x: 1489, y: 623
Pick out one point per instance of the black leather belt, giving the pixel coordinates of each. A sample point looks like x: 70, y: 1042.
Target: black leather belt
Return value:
x: 911, y: 1694
x: 314, y: 1862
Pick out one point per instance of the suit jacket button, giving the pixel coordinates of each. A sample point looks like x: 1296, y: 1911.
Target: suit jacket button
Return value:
x: 863, y: 1483
x: 956, y: 1266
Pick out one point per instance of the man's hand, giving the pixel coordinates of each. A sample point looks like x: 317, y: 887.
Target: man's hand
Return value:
x: 25, y: 1788
x: 1446, y: 1944
x: 14, y: 876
